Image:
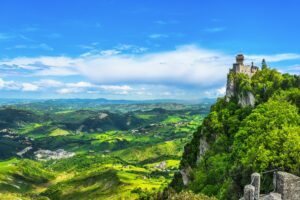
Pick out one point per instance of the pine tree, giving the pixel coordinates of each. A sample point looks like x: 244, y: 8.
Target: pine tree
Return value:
x: 264, y: 64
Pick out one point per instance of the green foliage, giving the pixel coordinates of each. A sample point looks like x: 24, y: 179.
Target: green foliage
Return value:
x: 144, y: 194
x: 265, y: 83
x: 95, y: 184
x: 269, y: 138
x: 108, y: 164
x: 264, y: 64
x: 33, y: 172
x: 189, y: 195
x: 244, y: 140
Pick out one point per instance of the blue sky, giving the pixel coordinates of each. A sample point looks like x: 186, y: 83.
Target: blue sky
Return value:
x: 139, y: 49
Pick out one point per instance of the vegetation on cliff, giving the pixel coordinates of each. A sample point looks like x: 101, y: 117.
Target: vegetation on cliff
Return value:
x: 244, y: 139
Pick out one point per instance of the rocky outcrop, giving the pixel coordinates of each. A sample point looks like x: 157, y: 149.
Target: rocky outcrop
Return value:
x: 288, y: 185
x: 271, y: 196
x: 203, y: 147
x: 230, y: 88
x: 246, y: 100
x: 186, y: 174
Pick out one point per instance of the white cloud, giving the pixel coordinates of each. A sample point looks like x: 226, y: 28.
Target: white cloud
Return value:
x: 116, y: 87
x: 68, y: 90
x: 186, y: 65
x: 8, y: 85
x: 29, y: 87
x: 221, y: 91
x: 94, y: 88
x: 110, y: 52
x: 2, y: 83
x: 80, y: 84
x: 294, y: 69
x: 56, y: 71
x: 215, y: 92
x: 158, y: 36
x: 131, y: 48
x: 48, y: 83
x: 272, y: 58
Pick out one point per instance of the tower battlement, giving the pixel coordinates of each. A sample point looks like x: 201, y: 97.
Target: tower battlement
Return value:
x: 239, y: 66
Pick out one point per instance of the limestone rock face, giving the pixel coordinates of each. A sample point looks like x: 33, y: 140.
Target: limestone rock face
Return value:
x: 288, y: 185
x: 249, y: 192
x: 203, y: 147
x: 246, y: 100
x: 186, y: 173
x: 229, y: 89
x: 271, y: 196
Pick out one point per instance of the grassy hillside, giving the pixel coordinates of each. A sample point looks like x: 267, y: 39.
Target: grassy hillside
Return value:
x: 106, y: 155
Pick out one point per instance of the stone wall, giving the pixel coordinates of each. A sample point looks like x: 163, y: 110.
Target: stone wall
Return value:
x: 286, y: 187
x: 244, y: 69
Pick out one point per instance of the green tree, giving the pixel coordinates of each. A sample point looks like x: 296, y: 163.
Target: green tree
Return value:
x: 264, y: 64
x: 269, y: 138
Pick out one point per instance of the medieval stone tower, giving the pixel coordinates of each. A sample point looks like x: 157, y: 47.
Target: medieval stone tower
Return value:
x: 239, y: 66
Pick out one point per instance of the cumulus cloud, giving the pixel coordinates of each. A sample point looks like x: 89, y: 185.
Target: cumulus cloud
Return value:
x: 94, y: 88
x: 29, y: 87
x: 294, y: 69
x: 114, y: 70
x: 80, y: 84
x: 273, y: 58
x: 158, y: 36
x: 110, y: 52
x: 8, y: 85
x: 130, y: 48
x: 48, y: 83
x: 221, y: 91
x: 69, y: 90
x: 116, y: 87
x: 213, y: 93
x: 185, y: 65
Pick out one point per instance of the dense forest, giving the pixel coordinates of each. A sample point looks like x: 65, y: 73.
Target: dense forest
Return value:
x: 236, y: 140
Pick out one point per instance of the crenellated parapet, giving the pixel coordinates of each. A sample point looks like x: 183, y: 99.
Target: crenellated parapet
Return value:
x: 286, y: 187
x: 239, y: 66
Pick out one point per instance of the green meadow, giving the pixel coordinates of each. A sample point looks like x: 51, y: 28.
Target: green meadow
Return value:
x: 130, y: 153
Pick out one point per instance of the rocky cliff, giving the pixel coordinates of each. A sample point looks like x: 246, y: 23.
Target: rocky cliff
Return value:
x: 244, y: 98
x: 251, y: 129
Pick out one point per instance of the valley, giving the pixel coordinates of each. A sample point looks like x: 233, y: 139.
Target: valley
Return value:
x: 93, y: 151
